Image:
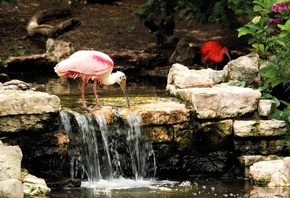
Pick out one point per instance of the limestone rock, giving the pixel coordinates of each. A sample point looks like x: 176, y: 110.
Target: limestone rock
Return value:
x: 26, y: 110
x: 182, y: 77
x: 27, y: 102
x: 262, y: 171
x: 254, y: 128
x: 34, y: 186
x: 11, y: 188
x: 221, y: 101
x: 245, y: 69
x: 248, y: 160
x: 10, y: 162
x: 274, y: 172
x: 257, y: 191
x: 266, y: 107
x: 160, y: 113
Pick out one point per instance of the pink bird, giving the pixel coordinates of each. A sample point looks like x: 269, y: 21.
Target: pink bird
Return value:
x: 93, y: 65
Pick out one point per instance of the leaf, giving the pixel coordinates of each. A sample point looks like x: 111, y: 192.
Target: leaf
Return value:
x: 259, y: 47
x: 269, y: 74
x: 243, y: 31
x: 283, y: 34
x: 287, y: 25
x: 276, y: 101
x: 276, y: 81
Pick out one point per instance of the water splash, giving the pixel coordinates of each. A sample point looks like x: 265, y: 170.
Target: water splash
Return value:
x: 94, y: 149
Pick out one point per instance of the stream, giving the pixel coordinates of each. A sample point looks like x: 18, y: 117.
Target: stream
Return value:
x: 141, y: 185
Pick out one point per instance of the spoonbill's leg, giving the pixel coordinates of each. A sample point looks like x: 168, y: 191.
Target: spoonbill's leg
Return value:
x: 95, y: 92
x: 83, y: 93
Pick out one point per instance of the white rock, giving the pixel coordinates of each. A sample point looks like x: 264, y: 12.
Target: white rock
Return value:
x: 254, y: 128
x: 266, y: 107
x: 221, y: 101
x: 275, y: 172
x: 27, y: 102
x: 10, y: 162
x: 263, y: 171
x: 34, y: 186
x: 181, y: 77
x: 244, y: 69
x: 11, y: 188
x: 264, y: 192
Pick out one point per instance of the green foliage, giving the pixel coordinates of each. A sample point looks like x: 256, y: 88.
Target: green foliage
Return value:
x: 269, y: 32
x: 226, y: 12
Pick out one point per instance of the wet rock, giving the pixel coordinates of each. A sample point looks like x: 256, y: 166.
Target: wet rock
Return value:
x: 259, y: 146
x: 160, y: 113
x: 10, y: 162
x: 30, y: 122
x: 215, y: 135
x: 34, y: 186
x: 245, y: 69
x: 266, y: 107
x: 11, y: 188
x: 66, y: 183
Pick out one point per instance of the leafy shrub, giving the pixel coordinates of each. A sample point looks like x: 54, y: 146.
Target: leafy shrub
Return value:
x: 269, y: 33
x: 226, y: 12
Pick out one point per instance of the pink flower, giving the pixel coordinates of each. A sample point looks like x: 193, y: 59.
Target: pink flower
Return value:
x: 274, y: 23
x: 279, y: 7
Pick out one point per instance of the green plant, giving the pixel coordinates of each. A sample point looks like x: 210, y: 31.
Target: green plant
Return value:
x: 269, y: 32
x: 226, y: 12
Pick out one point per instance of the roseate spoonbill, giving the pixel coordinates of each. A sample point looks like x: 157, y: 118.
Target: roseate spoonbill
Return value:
x: 93, y: 65
x: 214, y: 52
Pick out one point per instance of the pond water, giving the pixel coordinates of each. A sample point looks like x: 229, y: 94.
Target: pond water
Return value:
x: 140, y: 92
x: 197, y: 187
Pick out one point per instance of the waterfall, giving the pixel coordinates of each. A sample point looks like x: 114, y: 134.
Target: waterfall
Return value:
x: 94, y: 150
x: 100, y: 117
x: 140, y: 150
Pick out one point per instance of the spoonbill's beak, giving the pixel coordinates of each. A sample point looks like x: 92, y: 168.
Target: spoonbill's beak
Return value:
x: 123, y: 87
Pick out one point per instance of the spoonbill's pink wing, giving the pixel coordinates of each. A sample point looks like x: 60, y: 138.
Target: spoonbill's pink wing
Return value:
x: 89, y: 64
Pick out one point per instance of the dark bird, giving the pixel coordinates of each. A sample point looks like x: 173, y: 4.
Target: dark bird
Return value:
x: 163, y: 31
x: 214, y: 52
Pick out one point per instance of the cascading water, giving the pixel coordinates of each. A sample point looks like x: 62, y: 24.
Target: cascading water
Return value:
x: 141, y: 151
x: 96, y: 150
